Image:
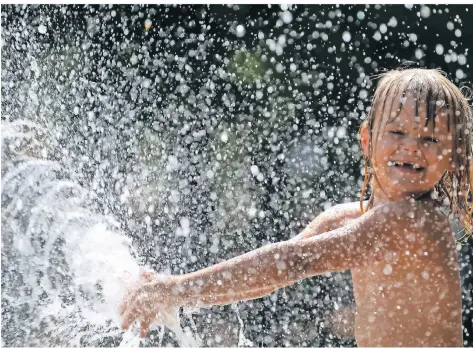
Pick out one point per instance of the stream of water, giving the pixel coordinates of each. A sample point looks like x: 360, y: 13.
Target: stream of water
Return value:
x: 64, y: 266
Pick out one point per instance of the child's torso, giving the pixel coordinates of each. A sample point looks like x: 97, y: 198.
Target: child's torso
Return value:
x: 404, y: 299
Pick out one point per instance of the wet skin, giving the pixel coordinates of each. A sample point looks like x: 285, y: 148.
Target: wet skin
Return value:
x: 411, y: 297
x: 401, y: 252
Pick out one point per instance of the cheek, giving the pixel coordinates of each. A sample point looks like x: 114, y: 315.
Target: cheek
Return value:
x: 440, y: 162
x: 385, y: 144
x: 385, y: 139
x: 432, y: 152
x: 384, y: 151
x: 437, y: 153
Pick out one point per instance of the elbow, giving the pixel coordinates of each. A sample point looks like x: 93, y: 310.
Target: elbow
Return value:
x: 300, y: 263
x: 324, y: 254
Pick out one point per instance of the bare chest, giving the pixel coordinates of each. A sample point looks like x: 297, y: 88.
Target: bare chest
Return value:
x: 407, y: 299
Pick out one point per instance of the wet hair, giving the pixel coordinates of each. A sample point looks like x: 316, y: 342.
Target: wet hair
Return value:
x: 429, y: 87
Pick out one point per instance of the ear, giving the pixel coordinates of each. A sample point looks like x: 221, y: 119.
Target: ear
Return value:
x: 364, y: 139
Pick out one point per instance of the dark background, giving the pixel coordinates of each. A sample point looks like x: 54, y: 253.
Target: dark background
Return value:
x: 168, y: 125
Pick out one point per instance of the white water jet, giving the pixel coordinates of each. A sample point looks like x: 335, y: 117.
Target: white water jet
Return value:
x: 65, y: 267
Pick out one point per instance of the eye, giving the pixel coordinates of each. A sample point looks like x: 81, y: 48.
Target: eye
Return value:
x: 430, y: 139
x: 397, y: 132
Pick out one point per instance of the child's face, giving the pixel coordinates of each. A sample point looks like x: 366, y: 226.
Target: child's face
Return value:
x: 409, y: 157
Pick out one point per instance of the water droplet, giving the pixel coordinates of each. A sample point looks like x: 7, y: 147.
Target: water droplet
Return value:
x: 224, y: 137
x: 425, y: 11
x: 42, y: 29
x: 240, y: 30
x: 392, y: 22
x: 286, y: 17
x: 254, y: 170
x: 346, y: 36
x: 419, y: 53
x: 388, y: 269
x: 363, y: 94
x: 146, y: 83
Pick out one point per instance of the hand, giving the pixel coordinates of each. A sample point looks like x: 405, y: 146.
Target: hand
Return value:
x: 148, y: 301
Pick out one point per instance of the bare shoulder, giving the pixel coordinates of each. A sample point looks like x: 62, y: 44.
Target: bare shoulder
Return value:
x: 330, y: 219
x: 341, y: 211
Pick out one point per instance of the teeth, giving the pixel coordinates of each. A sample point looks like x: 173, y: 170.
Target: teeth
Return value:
x: 404, y: 164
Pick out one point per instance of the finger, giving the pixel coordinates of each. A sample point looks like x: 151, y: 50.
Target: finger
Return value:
x: 164, y: 317
x: 144, y: 327
x: 129, y: 318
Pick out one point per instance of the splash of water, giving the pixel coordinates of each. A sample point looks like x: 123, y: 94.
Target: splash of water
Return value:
x: 64, y: 266
x: 242, y: 340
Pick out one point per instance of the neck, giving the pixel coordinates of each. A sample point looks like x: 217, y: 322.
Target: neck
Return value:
x: 381, y: 196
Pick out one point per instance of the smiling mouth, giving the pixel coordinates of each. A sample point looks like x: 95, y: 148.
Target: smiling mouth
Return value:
x: 406, y: 166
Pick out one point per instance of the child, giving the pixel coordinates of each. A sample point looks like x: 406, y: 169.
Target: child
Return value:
x: 398, y: 245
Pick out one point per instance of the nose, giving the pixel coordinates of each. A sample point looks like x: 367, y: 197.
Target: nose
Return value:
x: 410, y: 143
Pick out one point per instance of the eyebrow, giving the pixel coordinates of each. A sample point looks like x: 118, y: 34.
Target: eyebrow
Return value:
x: 402, y: 110
x: 396, y: 122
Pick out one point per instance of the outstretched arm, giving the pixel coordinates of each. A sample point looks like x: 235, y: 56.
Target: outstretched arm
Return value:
x: 326, y: 221
x: 383, y: 228
x: 273, y: 266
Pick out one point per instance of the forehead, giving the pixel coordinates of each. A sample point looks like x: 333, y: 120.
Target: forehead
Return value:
x: 410, y: 111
